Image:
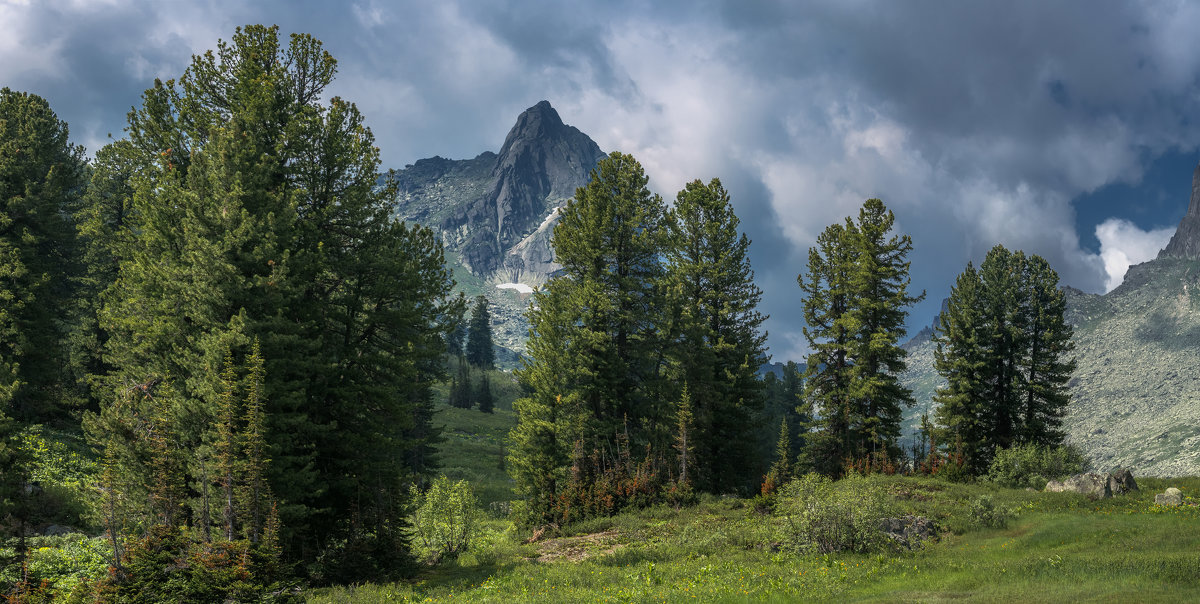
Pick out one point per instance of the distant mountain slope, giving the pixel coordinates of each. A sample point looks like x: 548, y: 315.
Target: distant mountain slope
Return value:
x: 1136, y: 389
x: 496, y: 213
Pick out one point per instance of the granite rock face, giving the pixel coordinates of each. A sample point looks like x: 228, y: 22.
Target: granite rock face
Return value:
x: 496, y: 213
x: 1186, y: 241
x: 537, y: 170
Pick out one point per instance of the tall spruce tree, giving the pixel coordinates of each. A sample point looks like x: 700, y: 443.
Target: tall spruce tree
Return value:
x: 960, y: 357
x: 718, y: 344
x: 41, y: 179
x: 879, y: 308
x: 595, y: 348
x: 1002, y: 345
x: 258, y: 213
x: 827, y: 303
x: 479, y: 339
x: 855, y: 307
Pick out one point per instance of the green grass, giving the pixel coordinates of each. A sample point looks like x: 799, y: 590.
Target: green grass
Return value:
x: 1057, y: 547
x: 473, y: 448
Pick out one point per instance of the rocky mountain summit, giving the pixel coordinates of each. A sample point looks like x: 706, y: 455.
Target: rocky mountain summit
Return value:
x: 1135, y: 394
x: 1186, y: 241
x: 496, y: 212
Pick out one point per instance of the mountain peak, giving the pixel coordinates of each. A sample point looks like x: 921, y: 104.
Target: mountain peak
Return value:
x: 539, y: 121
x: 1185, y: 243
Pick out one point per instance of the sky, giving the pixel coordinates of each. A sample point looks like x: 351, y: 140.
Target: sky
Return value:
x: 1066, y: 129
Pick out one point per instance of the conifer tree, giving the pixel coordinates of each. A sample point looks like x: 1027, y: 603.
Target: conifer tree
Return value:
x: 1002, y: 345
x: 960, y: 357
x: 479, y: 339
x: 718, y: 339
x: 827, y: 303
x: 41, y: 179
x: 484, y: 396
x: 855, y: 307
x: 878, y: 311
x: 259, y: 213
x: 1047, y: 367
x: 256, y: 499
x: 595, y: 346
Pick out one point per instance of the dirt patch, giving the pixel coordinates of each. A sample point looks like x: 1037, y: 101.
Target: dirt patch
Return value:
x: 581, y: 547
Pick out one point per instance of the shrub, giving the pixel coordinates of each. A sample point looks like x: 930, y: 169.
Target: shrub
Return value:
x: 446, y: 519
x: 826, y: 516
x: 985, y: 513
x: 59, y: 562
x: 1031, y: 466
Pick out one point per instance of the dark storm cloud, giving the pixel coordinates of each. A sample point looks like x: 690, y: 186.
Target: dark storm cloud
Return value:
x: 978, y: 123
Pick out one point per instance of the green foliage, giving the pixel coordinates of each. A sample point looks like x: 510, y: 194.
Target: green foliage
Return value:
x: 258, y: 212
x: 479, y: 349
x: 856, y: 292
x: 62, y: 562
x: 717, y: 342
x: 41, y: 178
x: 1032, y: 465
x: 1002, y: 345
x: 594, y: 342
x: 484, y: 396
x: 986, y: 513
x: 446, y: 518
x: 168, y: 565
x: 825, y: 516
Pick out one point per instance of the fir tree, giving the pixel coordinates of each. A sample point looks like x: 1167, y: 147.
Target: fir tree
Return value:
x: 719, y: 343
x: 878, y: 312
x: 1002, y: 345
x: 855, y: 307
x: 829, y: 330
x: 258, y: 212
x: 41, y: 179
x: 484, y: 396
x: 1046, y: 367
x: 479, y: 340
x: 960, y: 357
x: 595, y: 346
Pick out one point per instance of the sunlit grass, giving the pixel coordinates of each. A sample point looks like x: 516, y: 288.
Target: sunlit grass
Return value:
x: 1057, y: 547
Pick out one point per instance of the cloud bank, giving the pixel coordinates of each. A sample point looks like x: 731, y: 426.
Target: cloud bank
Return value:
x: 977, y: 124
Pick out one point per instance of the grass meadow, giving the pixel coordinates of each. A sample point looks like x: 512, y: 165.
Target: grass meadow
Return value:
x: 1055, y: 547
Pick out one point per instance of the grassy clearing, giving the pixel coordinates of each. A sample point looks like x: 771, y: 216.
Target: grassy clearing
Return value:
x: 1056, y: 547
x: 473, y: 448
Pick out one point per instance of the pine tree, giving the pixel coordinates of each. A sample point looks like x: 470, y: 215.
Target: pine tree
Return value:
x: 484, y: 396
x: 827, y: 303
x: 226, y: 446
x: 595, y: 346
x: 256, y: 500
x: 719, y: 343
x: 878, y: 312
x: 960, y: 357
x: 41, y: 179
x: 1046, y: 367
x: 259, y: 212
x: 1002, y: 345
x: 479, y: 340
x: 855, y: 307
x: 105, y: 220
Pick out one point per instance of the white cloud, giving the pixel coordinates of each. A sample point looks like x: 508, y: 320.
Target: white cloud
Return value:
x: 1123, y: 244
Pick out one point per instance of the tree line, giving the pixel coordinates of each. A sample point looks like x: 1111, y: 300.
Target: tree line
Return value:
x: 224, y: 301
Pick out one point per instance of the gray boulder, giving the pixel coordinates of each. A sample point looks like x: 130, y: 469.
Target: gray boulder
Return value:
x: 910, y: 531
x: 1172, y: 497
x: 1090, y: 484
x: 1121, y: 481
